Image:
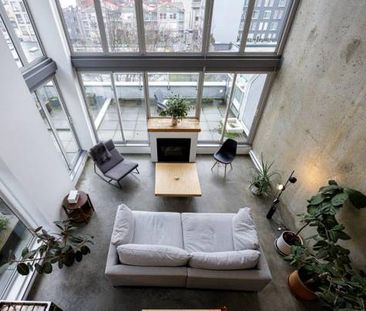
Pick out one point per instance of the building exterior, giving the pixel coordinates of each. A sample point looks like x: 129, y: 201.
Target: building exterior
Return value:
x: 267, y: 22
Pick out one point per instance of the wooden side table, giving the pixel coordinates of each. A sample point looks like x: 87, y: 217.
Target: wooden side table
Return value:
x: 81, y: 211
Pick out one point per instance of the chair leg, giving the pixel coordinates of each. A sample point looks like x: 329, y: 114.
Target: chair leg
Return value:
x: 231, y: 166
x: 214, y: 165
x: 225, y: 171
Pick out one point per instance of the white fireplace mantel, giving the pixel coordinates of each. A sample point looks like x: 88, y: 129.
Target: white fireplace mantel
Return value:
x: 162, y: 128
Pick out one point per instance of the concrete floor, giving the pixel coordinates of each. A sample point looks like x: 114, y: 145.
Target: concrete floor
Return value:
x: 84, y: 287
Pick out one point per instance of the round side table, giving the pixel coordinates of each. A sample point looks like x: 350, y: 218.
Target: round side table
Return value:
x: 81, y: 211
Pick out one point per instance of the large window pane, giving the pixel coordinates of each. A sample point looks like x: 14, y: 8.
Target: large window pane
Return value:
x: 51, y: 101
x: 246, y: 98
x: 82, y: 26
x: 120, y: 24
x: 215, y: 97
x: 226, y: 26
x: 162, y: 86
x: 101, y: 104
x: 10, y: 44
x: 23, y: 29
x: 173, y: 26
x: 14, y: 236
x: 267, y: 24
x: 48, y: 126
x: 130, y: 93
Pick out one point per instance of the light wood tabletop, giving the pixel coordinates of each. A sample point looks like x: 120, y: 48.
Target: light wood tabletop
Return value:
x: 177, y: 180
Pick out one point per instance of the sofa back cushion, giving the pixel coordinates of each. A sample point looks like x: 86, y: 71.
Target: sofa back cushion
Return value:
x: 244, y: 231
x: 152, y: 255
x: 124, y: 226
x: 162, y: 228
x: 207, y: 232
x: 233, y: 260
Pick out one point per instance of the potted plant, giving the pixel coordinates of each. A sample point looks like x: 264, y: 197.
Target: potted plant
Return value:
x: 329, y: 196
x: 325, y: 269
x: 63, y: 248
x: 261, y: 181
x: 177, y: 108
x: 3, y: 223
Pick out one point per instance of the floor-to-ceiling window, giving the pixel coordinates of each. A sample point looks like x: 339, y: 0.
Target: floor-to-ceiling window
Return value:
x: 133, y: 56
x: 14, y: 236
x: 57, y: 121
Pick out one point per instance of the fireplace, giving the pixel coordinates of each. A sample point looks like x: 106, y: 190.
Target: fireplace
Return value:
x: 173, y: 149
x: 173, y: 143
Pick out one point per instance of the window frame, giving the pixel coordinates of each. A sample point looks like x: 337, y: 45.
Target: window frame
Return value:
x: 209, y: 4
x: 71, y: 164
x: 16, y: 42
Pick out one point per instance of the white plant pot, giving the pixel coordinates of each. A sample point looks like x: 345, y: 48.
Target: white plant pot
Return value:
x: 282, y: 247
x: 254, y: 190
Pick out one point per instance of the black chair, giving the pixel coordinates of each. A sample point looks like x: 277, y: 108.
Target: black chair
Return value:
x: 111, y: 163
x: 226, y: 154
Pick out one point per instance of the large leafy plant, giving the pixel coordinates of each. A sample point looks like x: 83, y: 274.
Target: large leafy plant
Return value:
x: 63, y: 248
x: 177, y: 108
x: 326, y: 268
x: 262, y: 179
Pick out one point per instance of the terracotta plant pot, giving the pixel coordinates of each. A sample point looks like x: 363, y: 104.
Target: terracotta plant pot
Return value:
x: 298, y: 288
x: 174, y: 121
x: 283, y: 244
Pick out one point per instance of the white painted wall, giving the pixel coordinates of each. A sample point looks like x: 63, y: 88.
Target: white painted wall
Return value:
x: 50, y: 30
x: 39, y: 178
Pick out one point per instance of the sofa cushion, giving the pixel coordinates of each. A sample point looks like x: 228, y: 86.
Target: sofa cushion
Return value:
x: 152, y: 255
x: 160, y: 228
x: 124, y: 225
x: 244, y: 231
x: 207, y: 232
x: 233, y: 260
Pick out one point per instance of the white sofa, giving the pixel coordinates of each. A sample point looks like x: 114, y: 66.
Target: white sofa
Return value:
x: 206, y: 233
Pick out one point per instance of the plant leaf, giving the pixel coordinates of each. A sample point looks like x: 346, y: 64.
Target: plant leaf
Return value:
x: 22, y: 268
x: 357, y: 198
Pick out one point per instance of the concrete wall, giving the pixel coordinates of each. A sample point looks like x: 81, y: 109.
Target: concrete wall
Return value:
x: 315, y: 118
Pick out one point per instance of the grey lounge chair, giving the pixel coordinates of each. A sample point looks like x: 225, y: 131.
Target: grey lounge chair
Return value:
x: 160, y: 99
x: 111, y: 163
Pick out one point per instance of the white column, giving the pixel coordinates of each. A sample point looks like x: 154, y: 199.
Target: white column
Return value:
x: 50, y: 30
x: 33, y: 175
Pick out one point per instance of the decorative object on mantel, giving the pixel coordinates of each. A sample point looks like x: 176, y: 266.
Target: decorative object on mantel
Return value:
x: 63, y: 248
x: 177, y: 108
x: 291, y: 179
x: 325, y: 270
x: 261, y: 181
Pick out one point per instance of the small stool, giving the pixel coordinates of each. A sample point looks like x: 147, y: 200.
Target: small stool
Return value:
x: 81, y: 211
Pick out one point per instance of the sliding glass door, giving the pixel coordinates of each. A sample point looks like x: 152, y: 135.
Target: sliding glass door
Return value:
x: 58, y: 122
x: 227, y: 103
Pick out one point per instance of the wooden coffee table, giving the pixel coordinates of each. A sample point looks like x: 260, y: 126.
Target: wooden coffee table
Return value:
x: 177, y: 180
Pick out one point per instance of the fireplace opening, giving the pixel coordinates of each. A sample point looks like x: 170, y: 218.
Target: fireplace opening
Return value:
x: 173, y: 149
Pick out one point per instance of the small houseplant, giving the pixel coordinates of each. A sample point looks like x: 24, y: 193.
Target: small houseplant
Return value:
x: 328, y: 199
x: 177, y: 108
x: 3, y: 223
x: 324, y: 270
x: 261, y: 181
x: 63, y: 248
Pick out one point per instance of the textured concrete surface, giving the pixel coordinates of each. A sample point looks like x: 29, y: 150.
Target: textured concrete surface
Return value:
x: 315, y: 118
x: 84, y: 287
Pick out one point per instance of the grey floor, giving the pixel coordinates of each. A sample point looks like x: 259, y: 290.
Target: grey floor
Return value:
x: 84, y: 287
